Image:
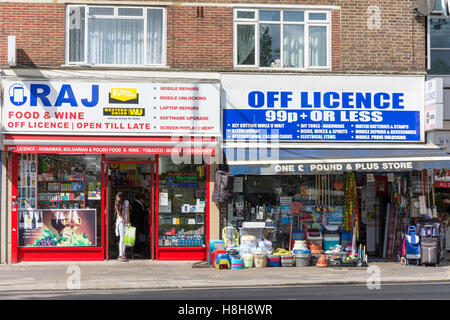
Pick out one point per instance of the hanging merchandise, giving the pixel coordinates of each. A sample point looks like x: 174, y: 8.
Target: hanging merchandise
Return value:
x: 351, y: 209
x: 330, y: 196
x: 327, y: 200
x: 422, y: 200
x: 317, y: 188
x: 434, y: 213
x: 429, y: 213
x: 391, y: 231
x: 347, y: 204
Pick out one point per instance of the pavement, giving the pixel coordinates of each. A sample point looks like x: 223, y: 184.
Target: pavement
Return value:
x: 150, y: 274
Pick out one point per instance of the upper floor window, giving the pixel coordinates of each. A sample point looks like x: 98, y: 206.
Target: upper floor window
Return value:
x: 439, y: 39
x: 282, y: 39
x: 440, y: 7
x: 106, y: 35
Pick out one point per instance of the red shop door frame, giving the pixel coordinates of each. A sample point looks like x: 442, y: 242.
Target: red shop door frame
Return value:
x: 106, y: 210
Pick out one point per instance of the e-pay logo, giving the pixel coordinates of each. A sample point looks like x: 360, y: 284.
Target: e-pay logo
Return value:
x: 124, y: 95
x: 17, y: 94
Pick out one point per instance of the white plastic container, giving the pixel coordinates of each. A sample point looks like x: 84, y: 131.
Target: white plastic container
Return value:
x: 302, y: 260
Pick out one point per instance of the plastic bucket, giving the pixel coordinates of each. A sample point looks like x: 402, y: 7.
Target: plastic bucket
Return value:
x: 236, y: 264
x: 248, y: 261
x: 302, y: 260
x: 273, y: 260
x: 260, y: 261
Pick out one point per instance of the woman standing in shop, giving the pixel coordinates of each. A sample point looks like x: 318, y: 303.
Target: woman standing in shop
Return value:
x: 122, y: 219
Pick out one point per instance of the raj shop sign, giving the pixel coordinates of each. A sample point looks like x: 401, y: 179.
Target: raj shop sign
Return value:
x: 337, y: 167
x: 69, y: 107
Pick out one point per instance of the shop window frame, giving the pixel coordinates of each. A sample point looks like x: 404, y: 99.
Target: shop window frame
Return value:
x: 63, y: 253
x: 116, y: 8
x: 256, y: 22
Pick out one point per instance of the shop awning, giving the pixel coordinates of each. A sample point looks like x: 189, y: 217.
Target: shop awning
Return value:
x: 273, y: 161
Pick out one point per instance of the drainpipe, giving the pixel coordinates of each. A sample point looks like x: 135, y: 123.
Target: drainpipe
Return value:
x: 3, y: 192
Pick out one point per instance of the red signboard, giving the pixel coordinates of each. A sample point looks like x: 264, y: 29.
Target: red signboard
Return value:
x: 442, y: 184
x: 109, y: 150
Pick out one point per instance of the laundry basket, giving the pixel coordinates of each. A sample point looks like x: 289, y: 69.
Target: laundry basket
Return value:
x: 260, y: 261
x: 248, y: 260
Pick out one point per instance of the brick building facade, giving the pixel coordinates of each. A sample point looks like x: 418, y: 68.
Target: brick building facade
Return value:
x: 72, y: 45
x: 201, y: 37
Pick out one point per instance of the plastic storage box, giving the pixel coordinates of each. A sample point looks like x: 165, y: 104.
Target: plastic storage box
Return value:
x: 273, y: 260
x: 287, y: 260
x: 236, y: 263
x: 330, y: 241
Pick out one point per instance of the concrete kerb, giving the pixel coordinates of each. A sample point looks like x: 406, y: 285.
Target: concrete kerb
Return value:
x: 212, y: 287
x: 154, y: 278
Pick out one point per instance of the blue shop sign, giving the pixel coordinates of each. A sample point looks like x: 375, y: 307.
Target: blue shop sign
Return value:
x: 381, y: 109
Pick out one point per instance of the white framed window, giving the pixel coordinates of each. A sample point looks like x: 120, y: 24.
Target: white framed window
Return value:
x: 115, y: 35
x: 282, y: 39
x: 438, y: 39
x: 439, y: 45
x: 442, y: 7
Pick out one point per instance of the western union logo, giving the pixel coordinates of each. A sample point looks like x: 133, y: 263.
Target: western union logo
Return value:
x: 124, y: 112
x: 123, y: 95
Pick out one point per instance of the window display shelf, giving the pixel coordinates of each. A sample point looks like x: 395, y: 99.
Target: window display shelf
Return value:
x: 119, y: 187
x: 61, y: 191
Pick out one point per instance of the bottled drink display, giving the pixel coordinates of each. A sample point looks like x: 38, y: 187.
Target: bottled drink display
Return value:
x: 27, y: 224
x: 39, y: 220
x: 58, y: 222
x: 27, y: 181
x: 21, y: 221
x: 61, y: 182
x: 33, y: 221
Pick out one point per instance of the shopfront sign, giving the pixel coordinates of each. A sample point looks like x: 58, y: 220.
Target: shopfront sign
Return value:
x: 323, y: 108
x: 442, y: 184
x: 329, y: 167
x: 434, y: 104
x: 110, y: 150
x: 171, y: 109
x: 340, y: 167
